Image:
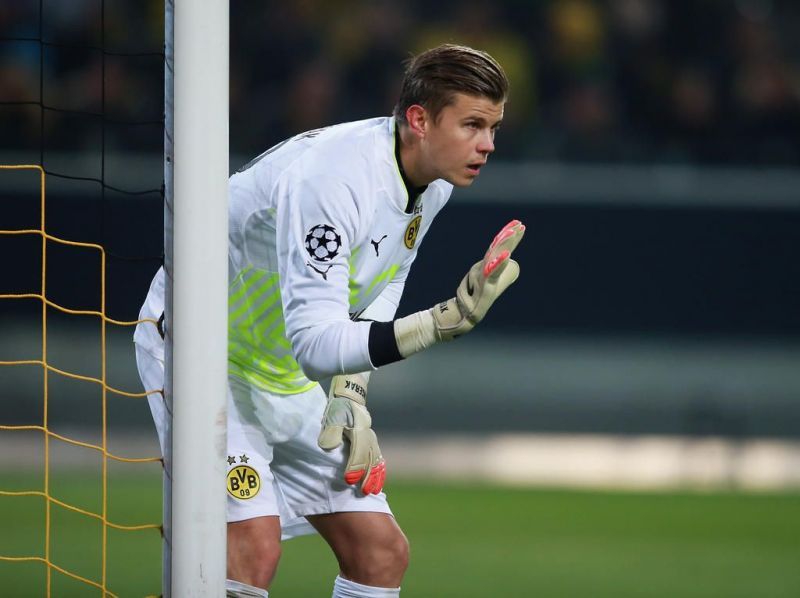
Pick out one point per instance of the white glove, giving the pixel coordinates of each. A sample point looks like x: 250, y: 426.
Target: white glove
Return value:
x: 346, y: 416
x: 483, y: 284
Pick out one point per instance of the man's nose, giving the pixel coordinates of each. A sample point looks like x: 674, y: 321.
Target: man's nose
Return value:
x: 486, y: 143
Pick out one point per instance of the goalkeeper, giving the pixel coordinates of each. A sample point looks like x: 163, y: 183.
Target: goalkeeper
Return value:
x: 324, y: 228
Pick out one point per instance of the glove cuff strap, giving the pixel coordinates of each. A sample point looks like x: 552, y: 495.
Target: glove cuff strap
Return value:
x: 350, y: 386
x: 415, y: 332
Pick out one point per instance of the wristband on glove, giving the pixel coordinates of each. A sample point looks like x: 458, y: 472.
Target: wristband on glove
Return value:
x: 346, y: 416
x: 483, y: 284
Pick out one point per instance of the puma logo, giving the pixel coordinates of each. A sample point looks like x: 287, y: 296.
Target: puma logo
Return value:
x: 375, y: 244
x: 322, y: 273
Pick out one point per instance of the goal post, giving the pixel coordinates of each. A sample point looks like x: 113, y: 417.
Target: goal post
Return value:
x: 196, y: 263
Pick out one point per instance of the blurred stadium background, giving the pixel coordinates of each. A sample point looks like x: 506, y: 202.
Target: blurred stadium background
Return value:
x: 651, y: 147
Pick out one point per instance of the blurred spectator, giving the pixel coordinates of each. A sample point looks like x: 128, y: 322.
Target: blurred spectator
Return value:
x: 364, y: 52
x: 765, y: 92
x: 614, y: 80
x: 486, y: 26
x: 311, y: 98
x: 579, y: 103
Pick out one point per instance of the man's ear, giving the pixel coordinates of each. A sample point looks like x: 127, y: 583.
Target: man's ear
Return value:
x: 417, y: 119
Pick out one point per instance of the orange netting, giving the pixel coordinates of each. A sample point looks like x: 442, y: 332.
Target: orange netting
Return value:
x: 49, y: 434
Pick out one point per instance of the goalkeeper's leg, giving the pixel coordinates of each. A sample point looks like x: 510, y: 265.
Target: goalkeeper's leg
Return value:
x: 254, y: 541
x: 254, y: 549
x: 371, y: 549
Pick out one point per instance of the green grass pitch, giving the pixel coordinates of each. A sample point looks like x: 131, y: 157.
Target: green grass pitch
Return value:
x: 466, y: 540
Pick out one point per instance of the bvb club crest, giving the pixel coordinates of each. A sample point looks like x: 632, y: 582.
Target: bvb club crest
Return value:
x: 243, y: 482
x: 410, y: 238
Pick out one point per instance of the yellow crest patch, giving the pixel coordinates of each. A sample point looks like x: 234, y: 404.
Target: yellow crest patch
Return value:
x: 243, y: 482
x: 410, y: 238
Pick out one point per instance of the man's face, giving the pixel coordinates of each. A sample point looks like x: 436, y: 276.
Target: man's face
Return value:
x: 458, y: 143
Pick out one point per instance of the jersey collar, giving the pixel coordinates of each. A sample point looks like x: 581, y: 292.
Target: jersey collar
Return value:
x: 410, y: 194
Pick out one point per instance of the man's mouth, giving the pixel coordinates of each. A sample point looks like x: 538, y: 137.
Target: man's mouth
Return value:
x: 475, y: 167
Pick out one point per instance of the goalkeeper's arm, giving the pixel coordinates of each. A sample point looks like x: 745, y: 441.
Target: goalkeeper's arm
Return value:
x: 483, y: 284
x: 346, y: 415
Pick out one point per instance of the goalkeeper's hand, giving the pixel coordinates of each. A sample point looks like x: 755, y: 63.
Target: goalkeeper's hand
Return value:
x: 346, y: 416
x: 483, y: 284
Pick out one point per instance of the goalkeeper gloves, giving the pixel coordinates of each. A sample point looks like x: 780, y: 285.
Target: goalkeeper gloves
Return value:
x: 346, y: 416
x: 479, y: 289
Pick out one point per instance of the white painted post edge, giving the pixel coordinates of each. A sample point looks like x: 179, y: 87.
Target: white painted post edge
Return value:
x: 200, y: 277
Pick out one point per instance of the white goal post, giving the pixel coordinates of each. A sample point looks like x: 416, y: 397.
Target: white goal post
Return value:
x: 196, y: 250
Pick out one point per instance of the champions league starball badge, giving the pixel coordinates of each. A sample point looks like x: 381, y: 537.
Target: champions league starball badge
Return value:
x: 323, y: 242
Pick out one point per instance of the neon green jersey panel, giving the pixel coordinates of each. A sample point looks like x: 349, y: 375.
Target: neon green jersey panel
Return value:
x: 258, y: 350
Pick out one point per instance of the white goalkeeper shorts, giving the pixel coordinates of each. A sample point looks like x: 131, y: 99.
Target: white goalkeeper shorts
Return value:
x: 273, y: 462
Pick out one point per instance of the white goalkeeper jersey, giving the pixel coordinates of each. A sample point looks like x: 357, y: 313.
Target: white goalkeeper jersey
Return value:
x: 321, y: 235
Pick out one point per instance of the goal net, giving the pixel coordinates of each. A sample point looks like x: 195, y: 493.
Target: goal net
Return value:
x: 78, y: 192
